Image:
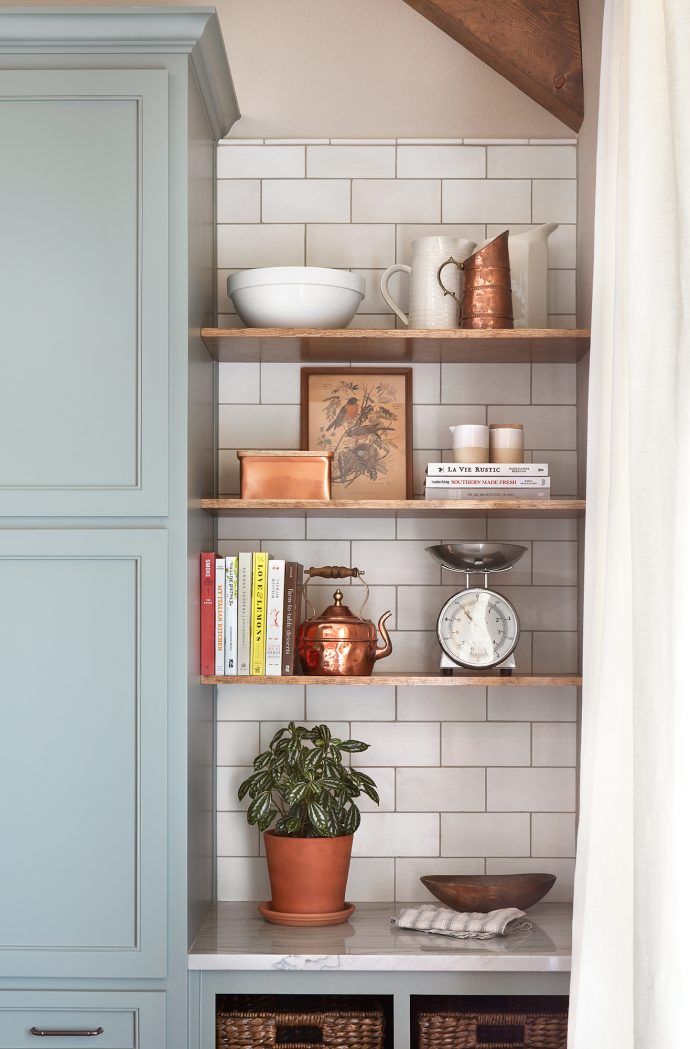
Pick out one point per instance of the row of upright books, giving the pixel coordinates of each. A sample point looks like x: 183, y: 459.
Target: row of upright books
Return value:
x: 487, y: 481
x: 250, y: 615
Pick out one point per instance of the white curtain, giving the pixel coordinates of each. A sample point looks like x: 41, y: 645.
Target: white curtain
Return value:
x: 631, y: 970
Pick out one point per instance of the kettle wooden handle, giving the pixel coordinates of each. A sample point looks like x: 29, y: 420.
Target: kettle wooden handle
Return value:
x: 334, y: 572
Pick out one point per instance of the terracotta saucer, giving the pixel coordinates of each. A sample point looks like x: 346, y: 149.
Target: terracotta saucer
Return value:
x: 306, y: 920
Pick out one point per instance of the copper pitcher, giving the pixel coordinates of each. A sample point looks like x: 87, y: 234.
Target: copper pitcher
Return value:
x: 339, y: 643
x: 487, y: 300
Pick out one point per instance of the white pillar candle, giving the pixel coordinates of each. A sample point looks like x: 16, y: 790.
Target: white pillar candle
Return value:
x: 470, y: 443
x: 506, y: 443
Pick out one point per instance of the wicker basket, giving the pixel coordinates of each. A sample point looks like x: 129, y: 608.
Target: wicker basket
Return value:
x: 494, y: 1023
x: 330, y: 1028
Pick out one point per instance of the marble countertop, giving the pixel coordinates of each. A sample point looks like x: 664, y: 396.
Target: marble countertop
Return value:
x: 234, y: 936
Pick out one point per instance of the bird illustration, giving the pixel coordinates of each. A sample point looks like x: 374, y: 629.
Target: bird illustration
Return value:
x: 347, y: 413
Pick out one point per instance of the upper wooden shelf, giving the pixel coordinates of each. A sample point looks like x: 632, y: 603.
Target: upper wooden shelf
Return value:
x: 397, y: 346
x: 400, y: 680
x: 225, y: 507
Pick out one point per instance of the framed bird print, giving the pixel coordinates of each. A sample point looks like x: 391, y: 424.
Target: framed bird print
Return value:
x: 363, y: 416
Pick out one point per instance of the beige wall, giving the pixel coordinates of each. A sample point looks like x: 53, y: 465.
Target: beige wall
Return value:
x: 359, y: 68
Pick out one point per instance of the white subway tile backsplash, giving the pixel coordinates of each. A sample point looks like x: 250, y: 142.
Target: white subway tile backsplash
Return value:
x: 398, y: 743
x: 444, y: 789
x: 239, y: 200
x: 530, y: 790
x: 554, y: 384
x: 329, y: 527
x: 431, y: 425
x: 554, y: 743
x: 397, y: 834
x: 245, y: 246
x: 531, y: 162
x: 452, y: 528
x: 371, y: 702
x: 351, y: 162
x: 485, y: 743
x: 554, y: 564
x: 409, y: 888
x: 433, y: 749
x: 440, y: 703
x: 363, y: 246
x: 249, y: 526
x: 485, y: 834
x: 258, y: 426
x: 305, y: 200
x: 526, y: 703
x: 555, y: 652
x: 371, y: 880
x: 384, y: 778
x: 228, y: 780
x: 399, y: 563
x: 396, y: 200
x: 553, y: 834
x: 544, y: 427
x: 487, y: 200
x: 554, y: 200
x: 238, y: 383
x: 563, y: 869
x: 373, y: 301
x: 234, y: 835
x: 242, y: 162
x: 237, y: 742
x: 441, y: 161
x: 242, y: 878
x: 485, y: 383
x: 260, y: 703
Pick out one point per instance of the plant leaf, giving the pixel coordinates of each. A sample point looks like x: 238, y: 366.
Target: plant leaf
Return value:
x: 318, y: 818
x: 259, y: 808
x: 353, y: 746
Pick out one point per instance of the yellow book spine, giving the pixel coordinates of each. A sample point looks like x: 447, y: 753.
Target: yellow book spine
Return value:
x: 258, y: 642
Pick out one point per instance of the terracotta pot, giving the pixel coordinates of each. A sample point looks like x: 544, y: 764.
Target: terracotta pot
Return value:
x: 308, y: 875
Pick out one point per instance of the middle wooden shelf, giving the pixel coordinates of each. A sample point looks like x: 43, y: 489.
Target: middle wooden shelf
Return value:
x: 403, y: 679
x: 226, y: 506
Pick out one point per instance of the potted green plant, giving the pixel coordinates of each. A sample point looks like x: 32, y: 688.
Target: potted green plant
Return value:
x: 303, y: 799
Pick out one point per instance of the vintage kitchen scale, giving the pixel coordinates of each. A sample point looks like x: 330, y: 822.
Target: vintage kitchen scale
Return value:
x: 477, y: 628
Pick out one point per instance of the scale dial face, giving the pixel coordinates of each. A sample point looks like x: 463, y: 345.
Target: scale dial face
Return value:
x: 478, y: 628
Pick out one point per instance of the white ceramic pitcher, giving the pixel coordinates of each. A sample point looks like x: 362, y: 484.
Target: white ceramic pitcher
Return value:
x: 429, y: 307
x: 529, y: 275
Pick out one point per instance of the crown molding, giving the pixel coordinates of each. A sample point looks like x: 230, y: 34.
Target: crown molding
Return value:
x: 193, y: 31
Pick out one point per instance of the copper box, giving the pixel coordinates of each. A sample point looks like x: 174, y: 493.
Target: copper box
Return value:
x: 285, y: 475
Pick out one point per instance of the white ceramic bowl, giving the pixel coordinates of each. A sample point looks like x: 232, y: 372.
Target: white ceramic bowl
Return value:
x: 296, y: 296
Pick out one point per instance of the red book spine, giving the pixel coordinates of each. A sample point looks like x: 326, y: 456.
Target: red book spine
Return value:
x: 207, y: 606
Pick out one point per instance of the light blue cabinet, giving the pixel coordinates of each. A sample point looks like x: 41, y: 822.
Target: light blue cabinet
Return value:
x: 83, y: 752
x: 124, y: 1020
x: 84, y: 291
x: 109, y: 119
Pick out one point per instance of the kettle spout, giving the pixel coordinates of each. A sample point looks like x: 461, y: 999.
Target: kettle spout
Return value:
x: 381, y: 653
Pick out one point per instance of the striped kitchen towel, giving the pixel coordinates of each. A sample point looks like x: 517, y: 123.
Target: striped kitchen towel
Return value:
x: 429, y: 918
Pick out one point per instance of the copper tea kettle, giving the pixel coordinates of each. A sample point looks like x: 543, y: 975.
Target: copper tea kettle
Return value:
x: 339, y: 643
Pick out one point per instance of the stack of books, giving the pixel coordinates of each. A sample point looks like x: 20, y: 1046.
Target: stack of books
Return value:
x: 487, y: 481
x: 250, y: 615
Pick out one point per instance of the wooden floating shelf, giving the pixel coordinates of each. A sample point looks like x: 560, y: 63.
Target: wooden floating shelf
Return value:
x: 405, y: 679
x: 397, y: 345
x: 225, y: 507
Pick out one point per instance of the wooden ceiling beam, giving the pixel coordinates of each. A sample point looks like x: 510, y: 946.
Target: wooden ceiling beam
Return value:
x: 535, y: 44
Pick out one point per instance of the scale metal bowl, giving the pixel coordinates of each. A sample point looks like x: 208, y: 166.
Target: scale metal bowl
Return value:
x: 477, y: 557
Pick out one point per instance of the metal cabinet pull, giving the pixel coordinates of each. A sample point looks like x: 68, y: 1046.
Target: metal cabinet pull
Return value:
x: 84, y: 1032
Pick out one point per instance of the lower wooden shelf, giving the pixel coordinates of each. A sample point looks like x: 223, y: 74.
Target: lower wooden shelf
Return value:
x: 557, y: 507
x: 544, y: 680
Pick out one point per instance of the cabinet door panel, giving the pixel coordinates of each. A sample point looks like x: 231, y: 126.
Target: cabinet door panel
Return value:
x: 82, y: 752
x: 83, y: 292
x: 127, y: 1019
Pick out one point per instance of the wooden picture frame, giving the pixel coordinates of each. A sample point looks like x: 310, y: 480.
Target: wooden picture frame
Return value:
x: 363, y: 415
